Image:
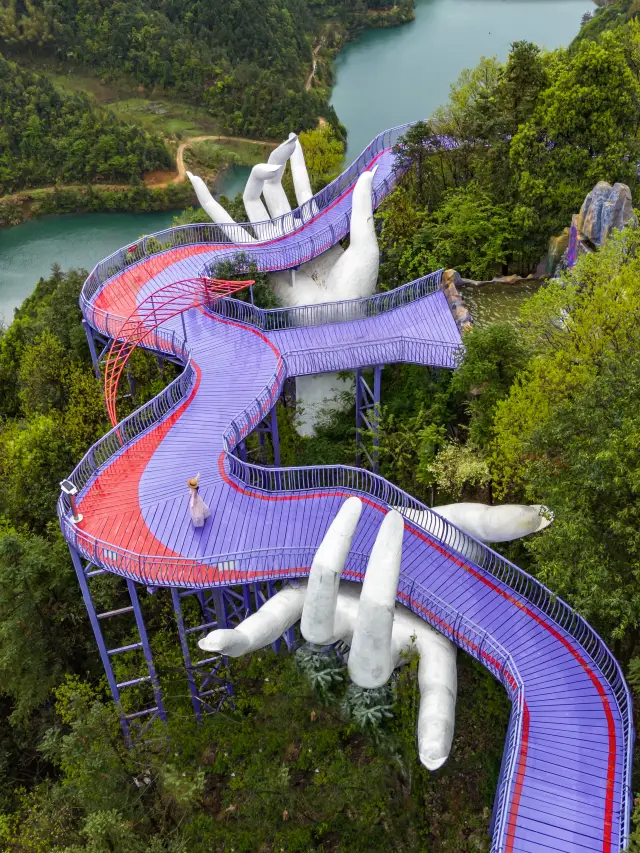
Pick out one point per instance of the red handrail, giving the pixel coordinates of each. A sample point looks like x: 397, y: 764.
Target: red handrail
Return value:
x: 155, y: 310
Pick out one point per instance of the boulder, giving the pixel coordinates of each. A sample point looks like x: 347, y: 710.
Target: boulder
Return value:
x: 451, y: 277
x: 450, y: 280
x: 557, y: 247
x: 606, y: 208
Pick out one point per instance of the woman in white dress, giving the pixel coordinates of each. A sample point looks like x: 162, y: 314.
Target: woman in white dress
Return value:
x: 197, y: 507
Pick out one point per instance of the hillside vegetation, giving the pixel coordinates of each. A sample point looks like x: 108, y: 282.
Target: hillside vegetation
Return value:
x: 536, y: 134
x: 245, y: 61
x: 47, y: 137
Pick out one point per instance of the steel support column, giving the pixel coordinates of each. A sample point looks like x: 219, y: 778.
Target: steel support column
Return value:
x: 368, y: 416
x: 156, y: 709
x: 218, y: 607
x: 209, y: 686
x: 92, y: 348
x: 269, y: 426
x: 275, y: 437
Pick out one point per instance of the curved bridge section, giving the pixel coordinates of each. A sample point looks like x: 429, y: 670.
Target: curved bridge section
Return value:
x: 565, y: 780
x: 157, y: 310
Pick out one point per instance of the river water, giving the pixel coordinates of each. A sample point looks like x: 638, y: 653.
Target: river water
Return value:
x: 383, y: 78
x: 387, y: 77
x: 28, y: 251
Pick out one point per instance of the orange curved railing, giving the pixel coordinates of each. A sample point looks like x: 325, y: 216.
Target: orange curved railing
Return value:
x: 154, y: 310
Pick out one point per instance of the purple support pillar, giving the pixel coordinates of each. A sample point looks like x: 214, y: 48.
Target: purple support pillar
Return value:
x: 246, y: 600
x: 186, y: 654
x: 269, y: 426
x: 92, y: 348
x: 156, y: 709
x: 275, y: 437
x: 102, y: 646
x: 368, y: 416
x: 208, y: 688
x: 377, y: 386
x: 358, y: 417
x: 146, y: 649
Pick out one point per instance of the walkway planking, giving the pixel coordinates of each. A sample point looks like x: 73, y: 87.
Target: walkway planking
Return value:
x: 566, y: 792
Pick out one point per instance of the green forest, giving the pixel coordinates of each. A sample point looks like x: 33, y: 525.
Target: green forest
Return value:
x: 543, y: 411
x: 246, y: 61
x: 48, y: 138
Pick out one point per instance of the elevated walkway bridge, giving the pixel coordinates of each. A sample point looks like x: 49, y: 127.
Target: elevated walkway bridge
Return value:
x: 565, y: 778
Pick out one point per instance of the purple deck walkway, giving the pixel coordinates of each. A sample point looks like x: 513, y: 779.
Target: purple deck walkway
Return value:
x: 566, y: 763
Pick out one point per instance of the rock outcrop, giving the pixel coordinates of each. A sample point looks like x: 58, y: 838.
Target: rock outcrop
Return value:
x: 450, y: 281
x: 605, y: 209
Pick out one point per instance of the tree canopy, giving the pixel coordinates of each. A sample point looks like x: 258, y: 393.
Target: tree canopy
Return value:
x: 569, y: 431
x: 246, y: 61
x: 534, y: 135
x: 48, y: 138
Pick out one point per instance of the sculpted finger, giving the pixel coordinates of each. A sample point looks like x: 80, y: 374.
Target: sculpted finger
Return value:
x: 260, y: 629
x: 301, y: 182
x: 356, y: 271
x: 256, y: 211
x: 274, y: 194
x: 318, y: 623
x: 207, y: 201
x: 496, y: 523
x: 371, y: 658
x: 437, y: 678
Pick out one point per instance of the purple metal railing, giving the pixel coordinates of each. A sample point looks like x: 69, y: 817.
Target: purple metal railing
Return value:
x: 278, y: 319
x: 299, y: 363
x: 277, y: 256
x: 276, y: 563
x: 392, y: 351
x: 241, y: 234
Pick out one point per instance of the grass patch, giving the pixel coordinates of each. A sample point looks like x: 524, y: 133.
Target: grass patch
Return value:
x: 211, y: 157
x: 155, y: 114
x: 153, y: 111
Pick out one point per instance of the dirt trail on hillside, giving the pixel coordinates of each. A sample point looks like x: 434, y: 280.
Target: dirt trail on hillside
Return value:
x: 312, y: 73
x: 163, y: 179
x: 153, y: 180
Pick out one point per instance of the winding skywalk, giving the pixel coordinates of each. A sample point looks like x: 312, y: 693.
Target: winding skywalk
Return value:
x: 565, y: 779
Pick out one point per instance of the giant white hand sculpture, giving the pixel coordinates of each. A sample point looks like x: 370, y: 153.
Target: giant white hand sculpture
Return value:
x: 335, y: 275
x: 485, y: 523
x: 495, y: 523
x: 381, y: 633
x: 274, y: 194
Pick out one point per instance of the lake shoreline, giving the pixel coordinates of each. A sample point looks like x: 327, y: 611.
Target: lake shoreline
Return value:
x: 408, y: 68
x: 35, y: 203
x: 31, y: 204
x: 387, y: 77
x: 156, y: 193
